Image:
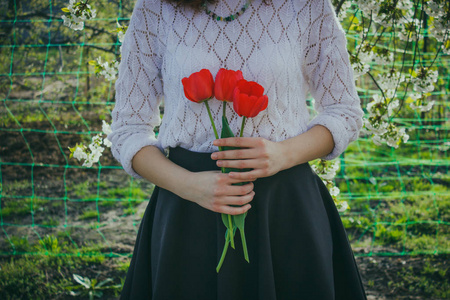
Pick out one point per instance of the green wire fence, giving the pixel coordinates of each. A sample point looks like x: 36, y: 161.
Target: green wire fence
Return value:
x: 51, y: 100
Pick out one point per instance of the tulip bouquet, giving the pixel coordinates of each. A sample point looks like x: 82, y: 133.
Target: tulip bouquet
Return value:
x: 248, y: 101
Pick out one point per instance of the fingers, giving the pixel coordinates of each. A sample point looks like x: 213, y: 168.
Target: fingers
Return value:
x: 235, y: 154
x: 233, y: 205
x: 249, y: 176
x: 259, y: 168
x: 226, y: 180
x: 234, y: 210
x: 261, y: 163
x: 246, y: 142
x: 233, y: 190
x: 232, y: 199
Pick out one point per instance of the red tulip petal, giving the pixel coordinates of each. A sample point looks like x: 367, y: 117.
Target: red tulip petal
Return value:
x: 199, y: 86
x: 186, y: 87
x: 225, y: 83
x: 203, y: 85
x: 236, y: 102
x: 244, y: 87
x: 239, y: 75
x: 241, y: 104
x: 260, y: 105
x: 265, y: 102
x: 253, y: 108
x: 257, y: 89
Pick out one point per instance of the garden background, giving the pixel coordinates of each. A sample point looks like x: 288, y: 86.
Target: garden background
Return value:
x: 68, y: 229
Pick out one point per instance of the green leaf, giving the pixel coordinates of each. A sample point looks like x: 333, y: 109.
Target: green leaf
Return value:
x: 84, y: 281
x: 239, y: 220
x: 226, y: 130
x: 224, y: 251
x: 104, y: 282
x: 227, y: 133
x: 225, y: 220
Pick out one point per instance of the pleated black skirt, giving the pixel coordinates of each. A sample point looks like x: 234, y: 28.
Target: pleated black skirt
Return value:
x: 297, y: 245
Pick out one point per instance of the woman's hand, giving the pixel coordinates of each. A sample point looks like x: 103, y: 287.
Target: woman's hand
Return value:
x: 266, y: 158
x: 215, y: 191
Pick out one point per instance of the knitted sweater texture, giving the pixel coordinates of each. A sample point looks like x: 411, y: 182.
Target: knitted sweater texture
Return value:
x: 290, y: 47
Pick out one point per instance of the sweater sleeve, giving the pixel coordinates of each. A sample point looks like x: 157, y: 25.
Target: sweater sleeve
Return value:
x: 139, y: 87
x: 330, y: 77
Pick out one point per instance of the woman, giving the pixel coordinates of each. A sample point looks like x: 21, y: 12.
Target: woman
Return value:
x: 297, y: 245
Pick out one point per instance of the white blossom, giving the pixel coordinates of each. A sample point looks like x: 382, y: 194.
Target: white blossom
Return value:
x: 389, y: 82
x: 107, y: 142
x: 419, y: 103
x: 342, y: 206
x: 423, y: 108
x: 424, y: 80
x: 434, y: 9
x: 96, y: 151
x: 360, y: 69
x: 343, y: 12
x: 334, y: 191
x: 79, y: 153
x: 383, y: 59
x: 378, y: 124
x: 106, y: 128
x: 109, y: 71
x: 411, y: 31
x: 77, y: 13
x: 121, y: 31
x: 368, y: 6
x: 445, y: 146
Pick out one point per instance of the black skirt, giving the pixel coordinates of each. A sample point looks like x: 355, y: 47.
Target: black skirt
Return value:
x: 297, y: 246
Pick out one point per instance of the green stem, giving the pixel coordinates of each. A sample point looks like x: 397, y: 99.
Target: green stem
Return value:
x: 212, y: 120
x: 224, y: 252
x: 244, y: 245
x: 230, y: 224
x: 214, y: 128
x: 224, y: 112
x: 242, y: 126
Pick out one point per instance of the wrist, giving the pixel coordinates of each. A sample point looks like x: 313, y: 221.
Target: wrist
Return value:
x: 184, y: 186
x: 288, y: 155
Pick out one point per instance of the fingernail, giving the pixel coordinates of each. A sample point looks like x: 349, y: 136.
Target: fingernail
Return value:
x: 214, y: 156
x: 219, y: 163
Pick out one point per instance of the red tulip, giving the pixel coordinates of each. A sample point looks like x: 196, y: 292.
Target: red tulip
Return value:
x: 225, y: 83
x: 248, y: 99
x: 199, y: 86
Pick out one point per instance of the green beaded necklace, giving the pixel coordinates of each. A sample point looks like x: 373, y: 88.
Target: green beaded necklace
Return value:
x: 230, y: 17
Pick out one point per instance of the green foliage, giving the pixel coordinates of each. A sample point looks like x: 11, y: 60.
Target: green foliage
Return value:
x: 90, y: 287
x: 49, y: 276
x: 23, y: 278
x: 50, y: 222
x: 89, y: 214
x: 50, y: 245
x: 431, y: 281
x: 20, y: 244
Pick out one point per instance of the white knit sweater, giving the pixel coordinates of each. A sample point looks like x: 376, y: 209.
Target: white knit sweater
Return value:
x: 290, y: 47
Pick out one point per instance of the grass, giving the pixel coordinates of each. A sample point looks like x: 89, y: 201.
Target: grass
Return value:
x: 89, y: 214
x: 430, y: 279
x: 49, y: 276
